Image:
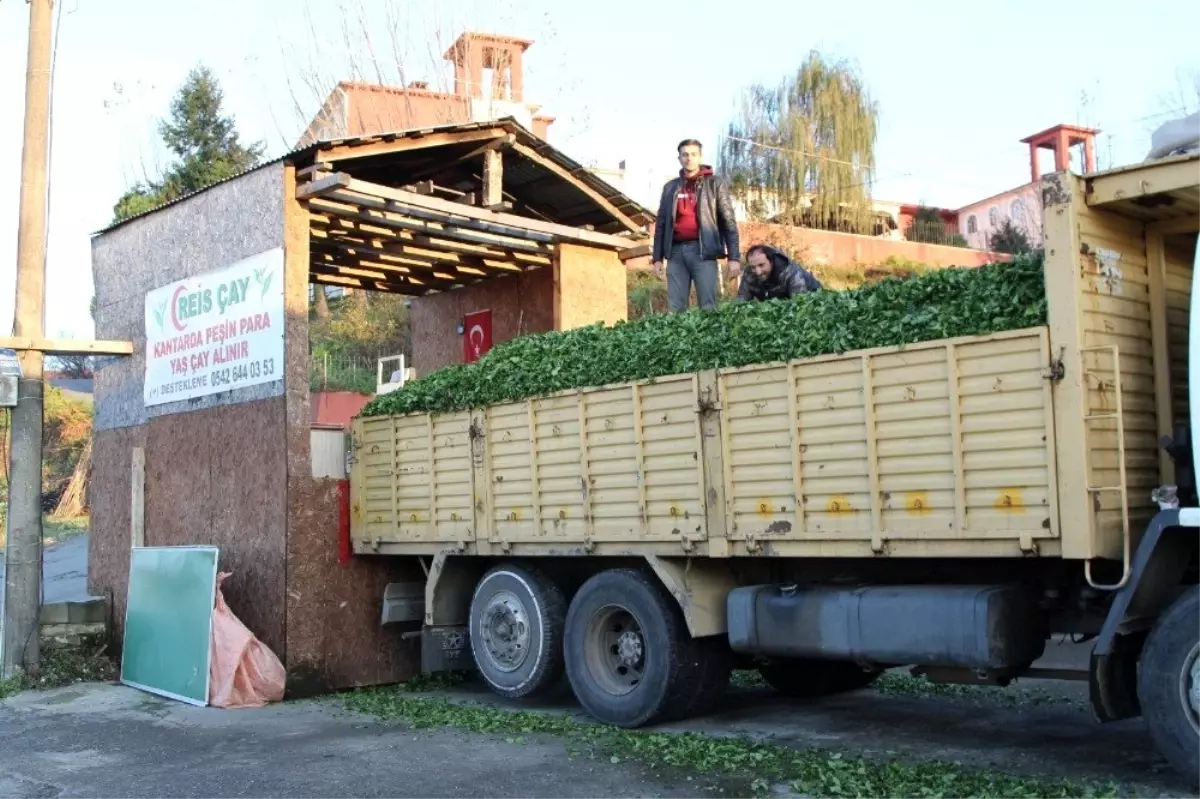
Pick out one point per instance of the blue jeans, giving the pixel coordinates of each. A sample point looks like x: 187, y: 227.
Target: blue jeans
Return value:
x: 685, y: 267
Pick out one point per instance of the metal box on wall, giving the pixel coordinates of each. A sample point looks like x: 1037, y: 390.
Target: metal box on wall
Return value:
x: 10, y: 376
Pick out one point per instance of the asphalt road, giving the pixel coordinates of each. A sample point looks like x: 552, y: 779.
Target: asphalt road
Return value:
x: 64, y: 570
x: 104, y: 740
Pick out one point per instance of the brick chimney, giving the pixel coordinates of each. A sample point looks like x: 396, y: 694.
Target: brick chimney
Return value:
x: 1060, y: 139
x: 472, y: 53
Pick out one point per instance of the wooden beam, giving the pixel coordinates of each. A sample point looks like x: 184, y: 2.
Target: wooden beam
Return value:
x: 596, y: 197
x: 322, y: 186
x: 493, y: 177
x: 314, y: 170
x: 1171, y: 227
x: 503, y: 234
x: 67, y: 346
x: 564, y: 232
x: 342, y: 207
x: 420, y: 257
x: 393, y: 248
x: 1161, y: 177
x: 442, y: 219
x: 443, y: 165
x: 341, y: 227
x: 358, y: 283
x: 137, y: 503
x: 640, y: 251
x: 343, y: 152
x: 355, y: 257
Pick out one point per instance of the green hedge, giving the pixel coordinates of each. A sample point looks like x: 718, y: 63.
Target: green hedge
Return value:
x: 944, y: 303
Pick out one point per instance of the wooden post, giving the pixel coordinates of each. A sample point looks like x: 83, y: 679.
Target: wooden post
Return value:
x: 23, y: 574
x: 137, y: 507
x: 493, y: 172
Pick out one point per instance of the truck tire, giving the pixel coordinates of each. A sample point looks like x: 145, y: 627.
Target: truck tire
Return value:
x: 809, y: 679
x: 516, y: 623
x: 630, y: 659
x: 1169, y: 684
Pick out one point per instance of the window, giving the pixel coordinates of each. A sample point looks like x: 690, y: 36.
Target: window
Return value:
x: 1019, y: 210
x: 994, y: 217
x: 972, y: 225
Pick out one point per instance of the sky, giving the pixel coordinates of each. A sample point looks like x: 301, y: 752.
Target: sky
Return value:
x: 958, y: 85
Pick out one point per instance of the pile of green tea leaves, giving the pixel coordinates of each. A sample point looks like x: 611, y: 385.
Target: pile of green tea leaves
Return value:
x: 943, y: 303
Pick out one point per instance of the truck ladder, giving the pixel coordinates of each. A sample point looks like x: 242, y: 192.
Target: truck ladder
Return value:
x: 1118, y: 415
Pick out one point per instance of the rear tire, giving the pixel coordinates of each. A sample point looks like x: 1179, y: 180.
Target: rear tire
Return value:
x: 516, y: 623
x: 1169, y: 684
x: 809, y: 679
x: 630, y: 658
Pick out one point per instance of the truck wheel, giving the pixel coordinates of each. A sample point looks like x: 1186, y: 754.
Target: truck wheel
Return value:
x: 516, y: 619
x: 808, y: 679
x: 1169, y: 683
x: 630, y: 659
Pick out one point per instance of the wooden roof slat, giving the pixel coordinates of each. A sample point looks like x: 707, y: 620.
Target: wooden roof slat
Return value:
x: 365, y: 234
x: 358, y: 255
x: 401, y: 254
x: 343, y: 152
x: 354, y: 198
x: 398, y: 222
x: 596, y: 197
x: 519, y: 223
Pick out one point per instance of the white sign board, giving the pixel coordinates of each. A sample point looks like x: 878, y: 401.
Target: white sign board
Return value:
x: 216, y: 332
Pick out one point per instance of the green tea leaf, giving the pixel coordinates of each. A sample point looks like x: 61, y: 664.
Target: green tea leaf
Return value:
x: 944, y: 303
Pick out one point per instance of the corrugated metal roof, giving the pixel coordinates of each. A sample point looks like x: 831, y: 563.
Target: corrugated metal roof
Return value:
x: 304, y: 156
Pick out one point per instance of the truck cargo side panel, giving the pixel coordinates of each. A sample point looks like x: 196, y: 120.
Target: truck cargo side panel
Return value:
x: 1116, y: 302
x: 411, y: 480
x: 979, y: 627
x: 1178, y: 286
x: 1179, y: 259
x: 947, y: 440
x: 634, y: 474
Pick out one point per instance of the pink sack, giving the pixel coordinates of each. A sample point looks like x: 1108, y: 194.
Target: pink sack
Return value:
x: 243, y: 672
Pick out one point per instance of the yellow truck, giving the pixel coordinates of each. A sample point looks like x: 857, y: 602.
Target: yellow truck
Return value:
x: 947, y: 506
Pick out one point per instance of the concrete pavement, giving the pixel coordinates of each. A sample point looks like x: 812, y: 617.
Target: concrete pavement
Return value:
x: 107, y: 740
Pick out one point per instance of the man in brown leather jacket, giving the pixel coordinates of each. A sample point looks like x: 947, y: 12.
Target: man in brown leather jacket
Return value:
x: 695, y: 227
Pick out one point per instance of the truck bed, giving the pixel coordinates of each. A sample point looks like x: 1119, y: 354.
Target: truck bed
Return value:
x: 944, y: 448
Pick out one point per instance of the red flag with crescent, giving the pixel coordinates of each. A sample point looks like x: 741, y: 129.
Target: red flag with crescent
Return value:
x: 477, y: 335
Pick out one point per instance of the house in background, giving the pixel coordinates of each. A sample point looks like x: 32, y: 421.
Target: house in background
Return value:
x: 489, y: 83
x: 1023, y: 204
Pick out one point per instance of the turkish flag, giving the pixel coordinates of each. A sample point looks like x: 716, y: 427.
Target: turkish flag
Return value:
x: 477, y: 335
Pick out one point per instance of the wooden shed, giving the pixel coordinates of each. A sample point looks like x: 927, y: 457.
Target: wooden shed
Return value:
x: 206, y: 428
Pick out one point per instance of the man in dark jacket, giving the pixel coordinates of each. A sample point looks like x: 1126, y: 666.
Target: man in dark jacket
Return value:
x: 695, y: 227
x: 772, y: 275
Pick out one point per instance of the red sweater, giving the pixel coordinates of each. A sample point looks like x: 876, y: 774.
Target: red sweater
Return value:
x: 687, y: 227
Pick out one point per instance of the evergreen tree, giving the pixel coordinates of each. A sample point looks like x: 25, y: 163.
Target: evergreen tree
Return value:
x: 204, y: 142
x: 1009, y: 238
x: 804, y: 152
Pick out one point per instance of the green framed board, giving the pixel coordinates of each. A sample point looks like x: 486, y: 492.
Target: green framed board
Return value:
x: 168, y: 621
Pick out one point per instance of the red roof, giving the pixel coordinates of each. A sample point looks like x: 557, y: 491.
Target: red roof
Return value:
x: 336, y: 407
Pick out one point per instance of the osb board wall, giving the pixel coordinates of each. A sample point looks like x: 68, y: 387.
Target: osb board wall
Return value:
x: 210, y: 479
x: 334, y: 639
x: 520, y: 304
x: 109, y: 495
x: 211, y: 230
x: 591, y: 287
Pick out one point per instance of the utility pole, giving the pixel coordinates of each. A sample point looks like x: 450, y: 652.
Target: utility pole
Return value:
x: 23, y: 562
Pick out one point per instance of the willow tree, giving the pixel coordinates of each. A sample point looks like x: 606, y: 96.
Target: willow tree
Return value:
x: 804, y: 152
